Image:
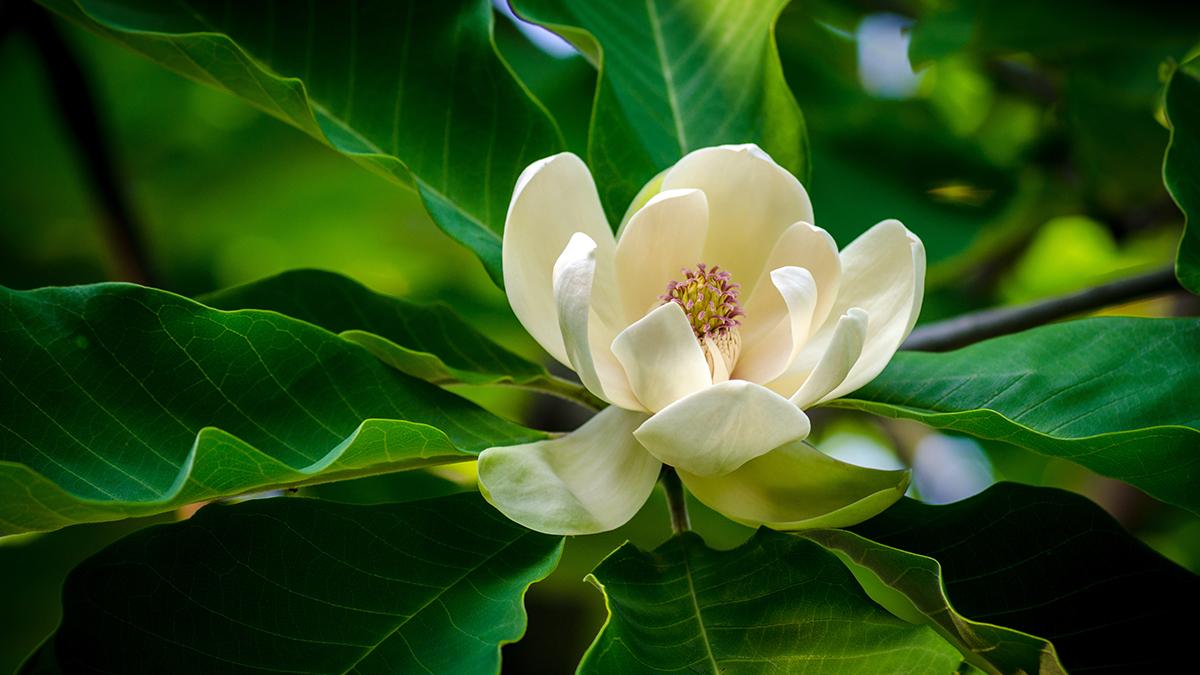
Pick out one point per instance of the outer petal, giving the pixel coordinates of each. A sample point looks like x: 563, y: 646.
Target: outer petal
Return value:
x: 798, y: 487
x: 664, y: 236
x: 662, y: 358
x: 721, y: 427
x: 883, y: 274
x: 553, y: 199
x: 845, y: 347
x: 767, y: 350
x: 591, y: 480
x: 751, y: 201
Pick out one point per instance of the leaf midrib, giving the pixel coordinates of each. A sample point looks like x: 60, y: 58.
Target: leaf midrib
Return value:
x: 687, y: 568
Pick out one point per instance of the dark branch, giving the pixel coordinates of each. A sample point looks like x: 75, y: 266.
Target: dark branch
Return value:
x: 971, y: 328
x: 77, y: 103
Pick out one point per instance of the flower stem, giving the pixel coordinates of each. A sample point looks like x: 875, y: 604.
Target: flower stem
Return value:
x: 676, y: 504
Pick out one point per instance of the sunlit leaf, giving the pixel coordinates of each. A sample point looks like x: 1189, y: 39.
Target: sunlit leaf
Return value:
x: 1117, y: 395
x: 674, y: 77
x: 413, y: 90
x: 121, y: 400
x: 304, y: 586
x: 777, y: 603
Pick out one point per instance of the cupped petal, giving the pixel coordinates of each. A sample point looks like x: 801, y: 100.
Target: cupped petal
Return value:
x: 591, y: 480
x: 883, y: 274
x: 751, y: 202
x: 586, y: 336
x: 722, y: 427
x: 810, y: 247
x: 797, y: 487
x: 663, y: 237
x: 574, y: 276
x: 554, y: 198
x: 662, y: 358
x: 767, y: 350
x: 843, y: 351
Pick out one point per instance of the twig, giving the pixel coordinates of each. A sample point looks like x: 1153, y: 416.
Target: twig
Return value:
x: 567, y: 390
x: 77, y: 103
x: 989, y: 323
x: 676, y: 503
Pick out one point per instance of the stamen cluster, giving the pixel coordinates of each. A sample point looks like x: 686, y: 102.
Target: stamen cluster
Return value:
x: 709, y: 299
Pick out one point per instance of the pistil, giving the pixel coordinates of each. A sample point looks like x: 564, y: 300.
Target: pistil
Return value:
x: 709, y: 298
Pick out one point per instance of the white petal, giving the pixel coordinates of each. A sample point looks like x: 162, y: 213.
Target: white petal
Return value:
x: 721, y: 427
x: 586, y: 336
x: 664, y: 236
x: 662, y: 358
x: 810, y: 247
x: 574, y: 275
x: 845, y: 347
x: 751, y: 202
x: 798, y: 487
x: 883, y: 272
x: 766, y: 352
x: 591, y: 480
x: 553, y: 199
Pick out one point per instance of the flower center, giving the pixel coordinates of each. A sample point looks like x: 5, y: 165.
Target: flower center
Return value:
x: 710, y: 300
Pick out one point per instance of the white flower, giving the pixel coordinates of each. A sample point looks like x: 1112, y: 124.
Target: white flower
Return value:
x: 713, y: 319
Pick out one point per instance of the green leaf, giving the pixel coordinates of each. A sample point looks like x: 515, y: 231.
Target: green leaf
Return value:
x: 122, y: 400
x: 305, y: 586
x: 911, y: 587
x: 1181, y: 167
x: 1117, y: 395
x: 1053, y: 564
x: 413, y: 90
x: 776, y: 603
x: 674, y: 77
x: 426, y: 341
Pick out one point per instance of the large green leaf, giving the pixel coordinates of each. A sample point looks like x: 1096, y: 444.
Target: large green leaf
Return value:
x: 1117, y: 395
x: 674, y: 77
x: 305, y: 586
x: 1181, y: 168
x: 1052, y: 564
x: 413, y: 90
x: 911, y: 587
x: 122, y: 400
x: 426, y: 341
x: 777, y: 603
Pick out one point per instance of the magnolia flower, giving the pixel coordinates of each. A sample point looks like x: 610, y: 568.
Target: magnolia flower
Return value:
x: 714, y: 318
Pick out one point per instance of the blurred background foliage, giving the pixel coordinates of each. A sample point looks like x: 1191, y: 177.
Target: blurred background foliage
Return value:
x: 1022, y: 140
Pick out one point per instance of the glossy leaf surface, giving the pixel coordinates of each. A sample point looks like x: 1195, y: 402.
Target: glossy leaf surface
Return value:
x: 1053, y: 564
x: 122, y: 400
x: 305, y: 586
x: 1117, y: 395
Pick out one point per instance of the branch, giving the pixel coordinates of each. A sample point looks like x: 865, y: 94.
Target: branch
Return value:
x: 77, y: 103
x: 990, y: 323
